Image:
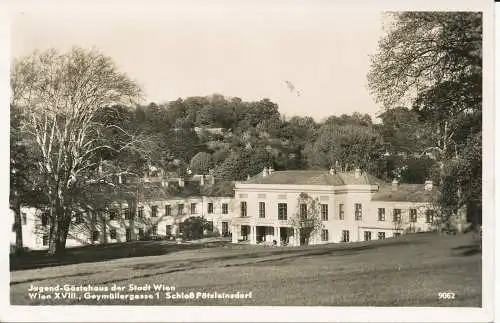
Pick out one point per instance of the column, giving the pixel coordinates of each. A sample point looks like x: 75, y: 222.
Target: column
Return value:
x: 253, y: 234
x: 296, y: 237
x: 234, y: 233
x: 277, y: 235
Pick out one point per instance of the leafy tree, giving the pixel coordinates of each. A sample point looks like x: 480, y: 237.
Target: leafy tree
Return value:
x: 348, y: 145
x: 422, y: 50
x: 201, y: 163
x: 193, y: 227
x: 60, y: 96
x: 432, y: 61
x: 25, y: 183
x: 307, y: 219
x: 403, y: 131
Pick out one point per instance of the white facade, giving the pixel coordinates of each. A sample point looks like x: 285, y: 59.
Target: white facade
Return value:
x: 260, y: 212
x: 116, y: 225
x: 338, y: 204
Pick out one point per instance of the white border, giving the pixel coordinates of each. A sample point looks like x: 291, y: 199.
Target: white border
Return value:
x: 278, y: 314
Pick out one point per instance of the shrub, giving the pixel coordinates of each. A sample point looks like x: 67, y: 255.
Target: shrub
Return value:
x: 193, y: 228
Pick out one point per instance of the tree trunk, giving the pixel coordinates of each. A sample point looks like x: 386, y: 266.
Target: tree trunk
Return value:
x: 18, y: 224
x: 53, y: 231
x: 59, y: 227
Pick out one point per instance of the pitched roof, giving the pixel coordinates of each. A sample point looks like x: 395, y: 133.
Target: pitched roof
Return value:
x: 405, y: 193
x: 313, y: 177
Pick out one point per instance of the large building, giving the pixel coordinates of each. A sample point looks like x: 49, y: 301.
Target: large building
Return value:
x: 351, y: 206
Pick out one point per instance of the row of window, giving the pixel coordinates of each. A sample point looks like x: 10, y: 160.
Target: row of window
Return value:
x: 396, y: 215
x: 282, y: 210
x: 154, y: 231
x: 127, y: 213
x: 358, y: 213
x: 367, y: 235
x: 345, y: 235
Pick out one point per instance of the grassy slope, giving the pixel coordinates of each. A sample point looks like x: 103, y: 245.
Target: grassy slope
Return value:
x: 408, y: 271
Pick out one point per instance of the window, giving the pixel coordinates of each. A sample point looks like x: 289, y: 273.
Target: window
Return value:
x: 210, y: 208
x: 168, y: 210
x: 397, y: 234
x: 95, y: 235
x: 210, y: 226
x: 243, y: 209
x: 358, y: 215
x: 180, y: 209
x: 429, y: 216
x: 113, y: 213
x: 303, y: 209
x: 140, y: 212
x: 225, y: 208
x: 45, y: 218
x: 45, y: 240
x: 168, y: 229
x: 112, y: 233
x: 324, y: 212
x: 262, y: 210
x: 78, y: 218
x: 324, y: 235
x: 127, y: 214
x: 381, y: 214
x: 396, y: 215
x: 193, y: 208
x: 141, y: 233
x: 413, y: 215
x: 154, y: 230
x: 225, y: 229
x: 154, y: 211
x: 345, y: 235
x: 181, y: 228
x: 282, y: 211
x: 381, y: 235
x: 23, y: 218
x: 341, y: 211
x: 368, y: 235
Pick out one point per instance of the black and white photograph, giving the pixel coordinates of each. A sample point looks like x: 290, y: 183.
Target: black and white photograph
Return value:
x: 213, y: 161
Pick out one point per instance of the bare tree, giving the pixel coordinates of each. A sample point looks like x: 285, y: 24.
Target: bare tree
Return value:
x: 307, y: 219
x: 60, y: 95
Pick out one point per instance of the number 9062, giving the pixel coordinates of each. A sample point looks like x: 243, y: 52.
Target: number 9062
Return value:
x: 446, y: 295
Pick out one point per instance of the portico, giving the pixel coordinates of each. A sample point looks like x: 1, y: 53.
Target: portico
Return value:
x: 268, y: 233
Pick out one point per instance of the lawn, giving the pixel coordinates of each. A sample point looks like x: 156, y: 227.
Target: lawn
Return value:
x: 404, y: 271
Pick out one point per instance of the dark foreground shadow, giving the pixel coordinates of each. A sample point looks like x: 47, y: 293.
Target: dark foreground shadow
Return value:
x: 96, y: 253
x: 467, y: 250
x: 40, y: 258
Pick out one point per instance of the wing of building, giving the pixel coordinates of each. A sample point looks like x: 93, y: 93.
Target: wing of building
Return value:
x: 352, y: 206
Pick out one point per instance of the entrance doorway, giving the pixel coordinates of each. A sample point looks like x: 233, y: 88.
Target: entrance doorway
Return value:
x: 225, y: 229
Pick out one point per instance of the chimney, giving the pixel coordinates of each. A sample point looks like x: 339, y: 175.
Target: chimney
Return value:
x: 428, y: 185
x: 265, y: 172
x: 357, y: 173
x: 181, y: 182
x: 271, y: 170
x: 395, y: 184
x: 202, y: 180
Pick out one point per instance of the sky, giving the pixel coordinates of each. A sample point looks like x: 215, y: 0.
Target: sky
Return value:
x: 235, y: 49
